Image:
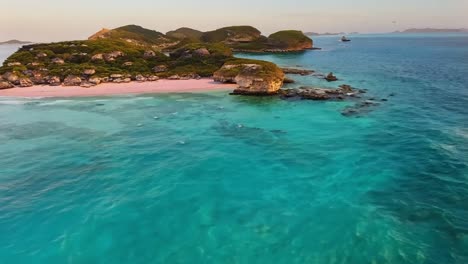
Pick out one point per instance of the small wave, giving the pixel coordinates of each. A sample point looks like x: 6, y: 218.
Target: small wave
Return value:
x: 55, y: 102
x: 461, y: 132
x: 14, y: 102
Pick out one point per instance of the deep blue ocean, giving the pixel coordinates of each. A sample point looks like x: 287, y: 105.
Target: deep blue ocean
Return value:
x: 214, y: 178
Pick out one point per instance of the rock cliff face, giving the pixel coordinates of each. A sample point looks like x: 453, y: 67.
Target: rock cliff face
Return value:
x: 253, y: 77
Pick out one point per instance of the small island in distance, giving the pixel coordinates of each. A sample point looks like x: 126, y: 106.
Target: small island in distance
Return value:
x: 15, y: 42
x: 433, y: 30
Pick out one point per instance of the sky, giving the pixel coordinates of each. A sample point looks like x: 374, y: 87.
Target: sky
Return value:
x: 55, y: 20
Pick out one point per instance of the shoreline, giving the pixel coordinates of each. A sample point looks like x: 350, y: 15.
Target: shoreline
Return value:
x: 109, y: 89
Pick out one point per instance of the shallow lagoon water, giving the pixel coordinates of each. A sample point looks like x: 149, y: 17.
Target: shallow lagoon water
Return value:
x: 213, y: 178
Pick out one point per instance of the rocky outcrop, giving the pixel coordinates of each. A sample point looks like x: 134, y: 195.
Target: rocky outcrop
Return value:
x: 72, y: 81
x: 160, y: 68
x: 116, y: 76
x: 149, y: 54
x: 41, y: 55
x: 331, y: 78
x: 152, y: 78
x: 97, y: 57
x: 321, y: 94
x: 261, y: 78
x: 89, y: 71
x: 360, y: 108
x: 302, y: 72
x: 38, y: 78
x: 5, y: 85
x: 11, y: 77
x: 112, y: 56
x: 95, y: 80
x: 201, y: 52
x: 54, y: 81
x: 174, y: 77
x: 58, y: 61
x: 25, y: 82
x: 11, y: 64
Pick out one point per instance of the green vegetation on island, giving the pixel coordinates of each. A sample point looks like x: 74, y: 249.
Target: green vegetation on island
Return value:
x: 232, y: 34
x: 137, y: 35
x: 185, y: 33
x: 290, y: 39
x: 133, y: 53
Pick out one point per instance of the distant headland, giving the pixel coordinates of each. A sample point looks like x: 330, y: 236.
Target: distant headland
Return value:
x: 15, y: 42
x: 324, y: 34
x: 434, y: 30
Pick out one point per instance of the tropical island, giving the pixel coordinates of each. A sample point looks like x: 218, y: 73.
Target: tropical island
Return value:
x: 133, y: 53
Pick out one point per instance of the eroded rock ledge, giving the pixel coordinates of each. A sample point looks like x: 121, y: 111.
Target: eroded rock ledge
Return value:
x: 253, y: 77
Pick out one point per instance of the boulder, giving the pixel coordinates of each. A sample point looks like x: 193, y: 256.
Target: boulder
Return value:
x: 113, y: 55
x: 140, y: 78
x: 11, y: 77
x: 89, y: 71
x: 149, y: 54
x: 58, y: 61
x: 54, y: 81
x: 346, y: 88
x: 72, y: 81
x: 86, y: 84
x: 95, y: 80
x: 174, y: 77
x: 5, y: 85
x: 160, y: 68
x: 116, y: 76
x: 128, y: 63
x: 331, y: 78
x: 11, y: 64
x: 98, y: 56
x: 35, y: 64
x: 37, y: 78
x: 152, y: 78
x: 41, y: 55
x: 190, y: 76
x: 288, y: 80
x: 127, y: 80
x: 201, y: 52
x: 25, y: 82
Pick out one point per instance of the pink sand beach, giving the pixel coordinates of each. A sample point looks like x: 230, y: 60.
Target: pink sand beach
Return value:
x: 106, y: 89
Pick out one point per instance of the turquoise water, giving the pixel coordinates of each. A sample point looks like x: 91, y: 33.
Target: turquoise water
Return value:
x: 213, y: 178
